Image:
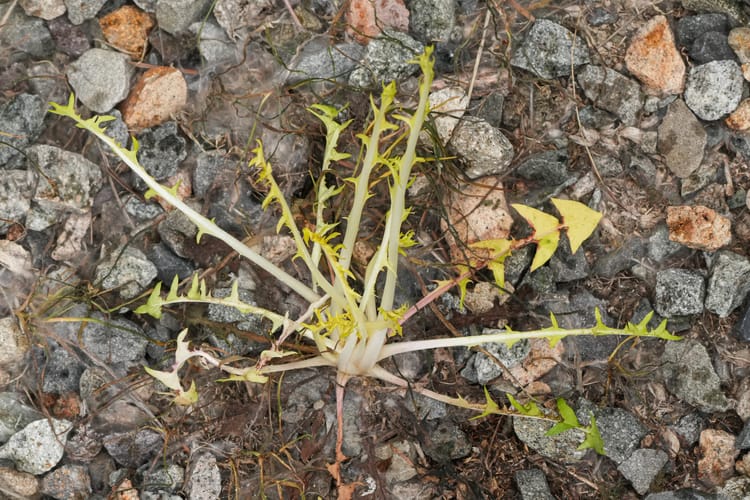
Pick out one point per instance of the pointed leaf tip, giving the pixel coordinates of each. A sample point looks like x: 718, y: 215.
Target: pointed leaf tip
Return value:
x: 546, y: 233
x: 579, y: 220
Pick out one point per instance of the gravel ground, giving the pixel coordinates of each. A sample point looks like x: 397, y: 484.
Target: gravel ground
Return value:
x: 638, y: 109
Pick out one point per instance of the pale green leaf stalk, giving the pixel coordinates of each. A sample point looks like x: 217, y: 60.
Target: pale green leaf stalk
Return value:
x: 351, y: 329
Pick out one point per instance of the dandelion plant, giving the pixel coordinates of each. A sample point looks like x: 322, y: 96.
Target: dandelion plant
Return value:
x: 355, y: 326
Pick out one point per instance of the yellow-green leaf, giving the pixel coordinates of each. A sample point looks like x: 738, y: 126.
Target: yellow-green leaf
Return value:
x: 579, y: 220
x: 546, y: 233
x: 490, y: 407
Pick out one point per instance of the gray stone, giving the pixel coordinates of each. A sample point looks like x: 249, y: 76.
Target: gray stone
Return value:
x: 641, y: 169
x: 620, y: 430
x: 117, y: 129
x: 414, y: 490
x: 714, y: 89
x: 175, y: 16
x: 116, y: 341
x: 689, y: 428
x: 660, y: 246
x: 62, y: 370
x: 48, y: 82
x: 491, y: 109
x: 23, y: 36
x: 387, y: 59
x: 133, y: 449
x: 212, y: 169
x: 81, y: 10
x: 593, y: 117
x: 45, y: 9
x: 14, y: 344
x: 620, y: 259
x: 679, y: 292
x: 161, y: 150
x: 177, y: 232
x: 413, y: 365
x: 484, y: 148
x: 542, y: 281
x: 728, y: 282
x: 689, y: 374
x: 39, y: 446
x: 642, y: 467
x: 112, y: 412
x: 226, y: 314
x: 146, y: 5
x: 143, y: 211
x: 611, y: 91
x: 233, y: 206
x: 681, y: 140
x: 445, y: 441
x: 319, y: 60
x: 548, y: 168
x: 101, y: 78
x: 599, y: 16
x: 735, y: 488
x: 127, y: 270
x: 482, y: 369
x: 689, y: 28
x: 563, y: 446
x: 400, y: 456
x: 568, y: 267
x: 14, y: 415
x: 215, y: 47
x: 168, y: 264
x: 683, y: 494
x: 704, y: 176
x: 743, y: 439
x: 237, y: 17
x: 352, y: 416
x: 609, y: 166
x: 203, y: 480
x: 742, y: 328
x: 548, y: 50
x: 169, y: 478
x: 532, y: 485
x: 68, y: 182
x: 432, y: 20
x: 740, y: 143
x: 308, y: 390
x: 22, y: 121
x: 711, y: 46
x: 67, y: 482
x: 428, y: 408
x: 68, y: 38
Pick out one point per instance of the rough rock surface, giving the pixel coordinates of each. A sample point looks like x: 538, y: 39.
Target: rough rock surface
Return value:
x: 653, y: 58
x: 714, y: 89
x: 548, y: 50
x: 101, y: 78
x: 682, y: 140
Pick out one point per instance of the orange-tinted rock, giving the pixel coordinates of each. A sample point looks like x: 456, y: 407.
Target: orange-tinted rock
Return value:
x: 126, y: 29
x: 739, y: 40
x: 541, y: 359
x: 698, y: 227
x: 716, y: 464
x: 653, y: 58
x: 475, y: 212
x: 365, y: 19
x: 160, y: 93
x: 740, y: 117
